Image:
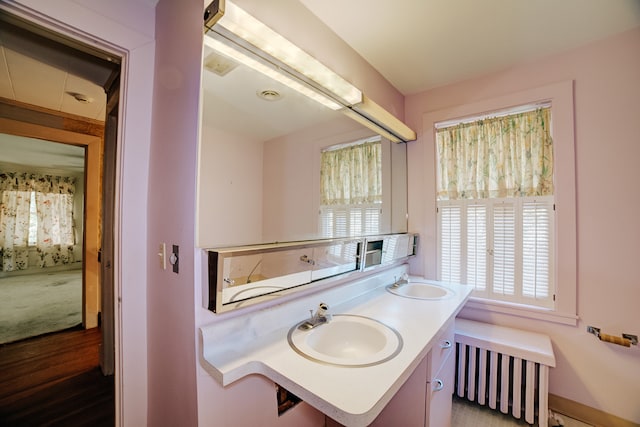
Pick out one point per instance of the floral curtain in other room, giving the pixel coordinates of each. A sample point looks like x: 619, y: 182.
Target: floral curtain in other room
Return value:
x: 14, y: 229
x: 54, y: 220
x: 54, y: 203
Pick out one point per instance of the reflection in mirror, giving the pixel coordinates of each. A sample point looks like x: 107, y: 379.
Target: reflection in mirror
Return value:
x: 260, y: 154
x: 240, y: 274
x: 263, y: 155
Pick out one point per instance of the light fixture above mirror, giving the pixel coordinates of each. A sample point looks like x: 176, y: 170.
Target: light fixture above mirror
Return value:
x: 238, y: 35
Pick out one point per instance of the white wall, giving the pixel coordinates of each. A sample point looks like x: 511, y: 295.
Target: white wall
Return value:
x: 607, y: 90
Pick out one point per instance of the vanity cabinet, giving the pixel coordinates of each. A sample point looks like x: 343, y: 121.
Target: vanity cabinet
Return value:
x: 425, y: 398
x: 407, y: 407
x: 441, y: 378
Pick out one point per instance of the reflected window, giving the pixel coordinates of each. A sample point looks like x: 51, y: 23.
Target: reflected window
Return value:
x: 351, y: 189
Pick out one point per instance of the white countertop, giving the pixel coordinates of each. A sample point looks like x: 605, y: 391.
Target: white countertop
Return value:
x: 354, y: 396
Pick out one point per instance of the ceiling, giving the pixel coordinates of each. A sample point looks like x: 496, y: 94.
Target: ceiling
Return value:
x: 422, y: 44
x: 38, y: 70
x: 41, y: 69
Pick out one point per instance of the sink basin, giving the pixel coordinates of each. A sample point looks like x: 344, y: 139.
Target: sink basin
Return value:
x: 421, y: 290
x: 347, y: 340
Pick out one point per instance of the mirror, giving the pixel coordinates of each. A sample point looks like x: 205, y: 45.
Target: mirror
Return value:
x: 259, y: 160
x: 241, y: 274
x: 259, y: 185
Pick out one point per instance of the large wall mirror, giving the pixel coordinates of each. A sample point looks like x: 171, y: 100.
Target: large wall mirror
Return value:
x: 260, y: 158
x: 276, y: 166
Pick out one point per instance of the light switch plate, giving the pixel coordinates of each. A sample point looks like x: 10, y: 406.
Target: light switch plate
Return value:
x: 162, y: 254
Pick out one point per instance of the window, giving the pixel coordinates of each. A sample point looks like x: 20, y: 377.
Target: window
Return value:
x: 495, y: 206
x: 351, y: 189
x: 35, y: 210
x: 56, y: 215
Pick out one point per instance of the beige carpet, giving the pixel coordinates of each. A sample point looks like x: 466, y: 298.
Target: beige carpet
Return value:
x: 36, y: 304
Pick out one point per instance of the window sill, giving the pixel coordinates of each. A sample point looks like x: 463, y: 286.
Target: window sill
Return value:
x: 522, y: 311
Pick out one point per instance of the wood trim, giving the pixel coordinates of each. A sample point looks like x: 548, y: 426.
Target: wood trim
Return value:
x: 586, y: 414
x: 27, y: 113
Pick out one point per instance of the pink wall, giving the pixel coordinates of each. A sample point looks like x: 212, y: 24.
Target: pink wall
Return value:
x: 607, y: 108
x: 126, y: 28
x: 170, y: 219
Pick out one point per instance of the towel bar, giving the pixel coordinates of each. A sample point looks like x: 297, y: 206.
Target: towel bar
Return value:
x: 626, y: 340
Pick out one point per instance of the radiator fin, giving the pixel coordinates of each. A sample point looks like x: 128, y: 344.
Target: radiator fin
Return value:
x: 501, y: 381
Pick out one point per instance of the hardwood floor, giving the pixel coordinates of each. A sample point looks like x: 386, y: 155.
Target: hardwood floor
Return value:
x: 55, y: 380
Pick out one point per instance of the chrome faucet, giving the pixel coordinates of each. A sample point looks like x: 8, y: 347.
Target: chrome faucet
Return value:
x: 404, y: 279
x: 319, y: 318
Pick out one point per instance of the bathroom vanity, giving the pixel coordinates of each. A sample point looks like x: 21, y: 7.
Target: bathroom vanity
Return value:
x: 413, y: 387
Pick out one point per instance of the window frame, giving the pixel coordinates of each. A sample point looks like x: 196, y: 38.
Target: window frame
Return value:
x: 561, y: 97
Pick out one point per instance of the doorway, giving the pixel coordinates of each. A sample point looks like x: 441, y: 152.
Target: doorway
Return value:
x: 29, y: 110
x: 41, y: 277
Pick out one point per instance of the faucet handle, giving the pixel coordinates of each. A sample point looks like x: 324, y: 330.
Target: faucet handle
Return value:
x: 322, y: 309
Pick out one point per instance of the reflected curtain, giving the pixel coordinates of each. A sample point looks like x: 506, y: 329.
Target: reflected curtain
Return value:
x: 351, y: 175
x: 510, y: 156
x: 54, y: 206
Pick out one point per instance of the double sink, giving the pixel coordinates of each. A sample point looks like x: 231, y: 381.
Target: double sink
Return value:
x: 358, y: 341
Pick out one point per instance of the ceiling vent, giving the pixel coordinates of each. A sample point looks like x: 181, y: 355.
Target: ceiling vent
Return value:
x: 219, y: 64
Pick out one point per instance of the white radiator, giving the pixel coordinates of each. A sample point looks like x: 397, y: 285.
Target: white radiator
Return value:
x: 504, y: 368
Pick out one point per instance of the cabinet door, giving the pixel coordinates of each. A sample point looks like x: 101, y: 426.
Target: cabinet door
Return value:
x: 407, y: 407
x: 440, y: 395
x: 443, y: 347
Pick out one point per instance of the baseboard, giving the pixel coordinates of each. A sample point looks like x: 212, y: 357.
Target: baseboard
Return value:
x: 586, y: 414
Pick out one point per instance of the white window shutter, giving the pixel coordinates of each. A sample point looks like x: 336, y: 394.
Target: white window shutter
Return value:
x: 476, y: 245
x: 449, y: 237
x: 349, y: 220
x: 372, y: 219
x: 537, y: 249
x: 504, y: 248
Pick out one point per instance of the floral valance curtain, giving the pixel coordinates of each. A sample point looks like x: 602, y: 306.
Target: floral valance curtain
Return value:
x: 54, y: 206
x: 38, y: 183
x: 351, y: 175
x: 509, y: 156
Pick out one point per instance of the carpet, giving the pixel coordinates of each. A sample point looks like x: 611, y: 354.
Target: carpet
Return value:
x: 37, y: 304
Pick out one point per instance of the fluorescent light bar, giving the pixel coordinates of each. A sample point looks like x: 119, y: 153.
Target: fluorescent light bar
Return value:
x: 380, y: 120
x: 248, y: 28
x: 248, y: 41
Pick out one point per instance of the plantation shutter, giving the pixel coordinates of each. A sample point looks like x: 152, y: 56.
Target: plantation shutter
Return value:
x: 537, y: 250
x: 450, y: 238
x: 477, y: 246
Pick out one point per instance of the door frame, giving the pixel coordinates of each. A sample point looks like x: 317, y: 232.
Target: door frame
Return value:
x: 130, y: 38
x: 92, y: 198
